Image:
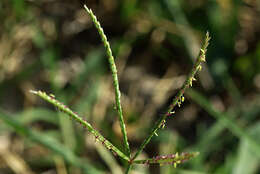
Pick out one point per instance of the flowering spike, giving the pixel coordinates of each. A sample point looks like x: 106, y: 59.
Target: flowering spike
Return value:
x: 84, y: 123
x: 114, y: 76
x: 173, y: 159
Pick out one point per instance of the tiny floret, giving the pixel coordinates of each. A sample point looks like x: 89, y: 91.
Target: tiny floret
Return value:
x: 182, y: 98
x: 199, y: 68
x: 32, y: 91
x: 203, y: 58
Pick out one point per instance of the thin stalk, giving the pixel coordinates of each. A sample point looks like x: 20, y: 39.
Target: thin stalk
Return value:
x: 129, y: 167
x: 51, y: 99
x: 179, y: 97
x: 114, y: 75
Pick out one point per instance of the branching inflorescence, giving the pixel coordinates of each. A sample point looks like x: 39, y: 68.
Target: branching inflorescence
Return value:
x: 172, y: 159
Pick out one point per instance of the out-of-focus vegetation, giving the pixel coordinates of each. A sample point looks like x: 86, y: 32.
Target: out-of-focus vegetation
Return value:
x: 53, y: 46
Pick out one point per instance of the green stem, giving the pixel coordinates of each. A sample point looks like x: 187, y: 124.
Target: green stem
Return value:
x: 51, y: 99
x: 114, y: 75
x: 128, y: 168
x: 179, y: 97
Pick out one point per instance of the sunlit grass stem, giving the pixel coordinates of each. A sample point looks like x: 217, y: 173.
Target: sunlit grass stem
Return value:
x: 179, y: 98
x: 114, y: 75
x: 51, y: 99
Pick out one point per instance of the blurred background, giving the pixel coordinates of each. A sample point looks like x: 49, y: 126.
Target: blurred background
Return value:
x: 52, y: 45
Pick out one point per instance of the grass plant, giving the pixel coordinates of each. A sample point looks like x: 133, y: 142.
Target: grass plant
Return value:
x: 172, y: 159
x: 146, y: 49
